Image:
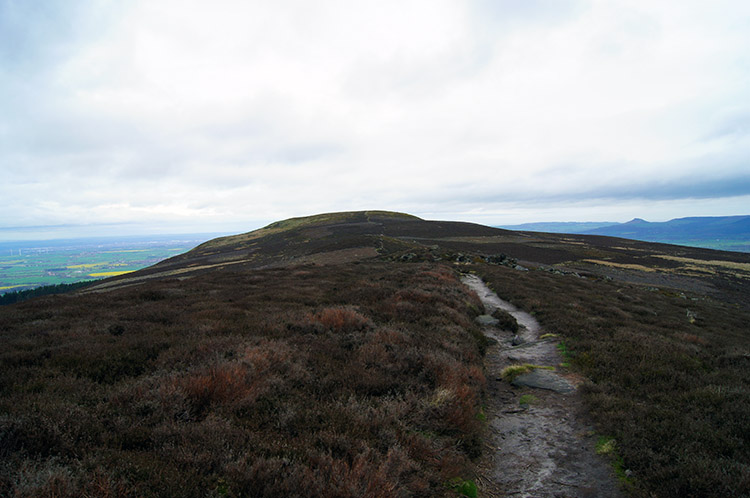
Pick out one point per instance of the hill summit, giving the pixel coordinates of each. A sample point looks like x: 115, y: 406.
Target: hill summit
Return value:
x: 330, y: 238
x: 357, y: 236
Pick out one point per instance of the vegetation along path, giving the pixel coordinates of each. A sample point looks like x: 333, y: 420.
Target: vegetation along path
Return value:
x: 539, y: 444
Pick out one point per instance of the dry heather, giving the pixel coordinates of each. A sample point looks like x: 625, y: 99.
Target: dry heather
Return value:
x: 348, y: 380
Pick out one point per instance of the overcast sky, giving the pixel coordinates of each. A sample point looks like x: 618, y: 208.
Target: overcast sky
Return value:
x: 185, y: 116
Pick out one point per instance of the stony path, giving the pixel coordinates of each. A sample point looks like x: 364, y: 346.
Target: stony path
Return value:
x: 543, y: 448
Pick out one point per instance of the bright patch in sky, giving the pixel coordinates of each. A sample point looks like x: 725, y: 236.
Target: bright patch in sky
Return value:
x: 187, y: 116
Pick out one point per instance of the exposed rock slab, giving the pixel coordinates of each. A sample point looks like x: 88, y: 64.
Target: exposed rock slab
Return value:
x: 544, y: 379
x: 486, y: 320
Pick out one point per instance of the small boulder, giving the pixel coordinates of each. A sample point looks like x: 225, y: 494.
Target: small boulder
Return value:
x: 486, y: 320
x: 544, y: 379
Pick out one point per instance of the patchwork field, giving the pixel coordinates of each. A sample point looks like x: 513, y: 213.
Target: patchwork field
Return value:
x: 26, y: 265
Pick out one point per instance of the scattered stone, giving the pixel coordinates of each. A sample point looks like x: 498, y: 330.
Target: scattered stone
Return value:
x: 486, y: 320
x: 408, y: 256
x: 461, y: 258
x: 517, y: 340
x: 520, y: 268
x: 498, y: 259
x: 560, y: 271
x: 544, y: 379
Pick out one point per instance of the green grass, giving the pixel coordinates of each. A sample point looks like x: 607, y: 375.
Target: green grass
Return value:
x: 606, y: 445
x: 528, y: 399
x: 465, y: 488
x: 512, y: 371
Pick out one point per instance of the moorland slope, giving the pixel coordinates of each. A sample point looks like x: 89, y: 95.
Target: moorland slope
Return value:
x: 337, y: 355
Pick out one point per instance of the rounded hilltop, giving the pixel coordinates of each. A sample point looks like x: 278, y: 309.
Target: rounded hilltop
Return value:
x: 341, y: 217
x: 363, y: 219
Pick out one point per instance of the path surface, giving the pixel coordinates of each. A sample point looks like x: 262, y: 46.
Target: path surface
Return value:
x: 545, y: 448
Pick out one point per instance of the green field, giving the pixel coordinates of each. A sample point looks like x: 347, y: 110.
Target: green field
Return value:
x: 26, y: 265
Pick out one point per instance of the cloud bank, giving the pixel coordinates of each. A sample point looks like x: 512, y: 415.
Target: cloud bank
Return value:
x: 206, y: 116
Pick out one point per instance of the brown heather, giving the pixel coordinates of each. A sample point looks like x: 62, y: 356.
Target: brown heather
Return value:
x: 347, y: 380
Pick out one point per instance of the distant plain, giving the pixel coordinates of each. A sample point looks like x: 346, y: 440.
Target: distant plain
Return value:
x: 29, y: 264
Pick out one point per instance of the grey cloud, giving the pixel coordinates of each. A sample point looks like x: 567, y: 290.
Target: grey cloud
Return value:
x: 692, y: 187
x: 683, y: 188
x: 731, y: 125
x: 509, y: 13
x: 261, y: 138
x: 30, y: 31
x: 417, y: 79
x: 426, y: 124
x: 36, y: 35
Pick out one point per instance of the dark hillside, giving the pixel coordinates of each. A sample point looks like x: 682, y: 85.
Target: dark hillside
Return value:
x: 359, y: 236
x: 336, y: 355
x: 352, y: 380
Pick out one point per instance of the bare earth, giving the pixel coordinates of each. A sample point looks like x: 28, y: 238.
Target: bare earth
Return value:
x: 544, y: 448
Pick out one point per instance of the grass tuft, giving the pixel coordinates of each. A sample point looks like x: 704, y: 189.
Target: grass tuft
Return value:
x: 528, y: 399
x: 510, y: 372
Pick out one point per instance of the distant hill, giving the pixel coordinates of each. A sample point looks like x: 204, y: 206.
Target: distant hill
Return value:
x: 729, y: 233
x: 721, y: 232
x: 559, y: 227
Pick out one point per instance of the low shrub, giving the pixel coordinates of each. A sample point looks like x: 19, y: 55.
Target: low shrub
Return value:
x: 364, y: 380
x: 506, y: 321
x: 340, y: 319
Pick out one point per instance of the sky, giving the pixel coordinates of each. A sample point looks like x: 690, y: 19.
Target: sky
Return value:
x: 158, y: 116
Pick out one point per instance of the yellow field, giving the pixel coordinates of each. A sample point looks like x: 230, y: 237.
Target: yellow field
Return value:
x: 126, y: 250
x: 10, y: 287
x: 86, y: 266
x: 110, y: 273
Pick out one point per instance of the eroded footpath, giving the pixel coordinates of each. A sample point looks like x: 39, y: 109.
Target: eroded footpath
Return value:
x: 543, y: 446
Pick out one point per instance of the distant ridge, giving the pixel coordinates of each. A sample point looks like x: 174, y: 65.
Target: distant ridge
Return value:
x: 729, y: 233
x: 559, y: 227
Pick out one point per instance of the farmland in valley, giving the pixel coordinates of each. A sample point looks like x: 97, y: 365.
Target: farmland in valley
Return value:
x: 29, y: 264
